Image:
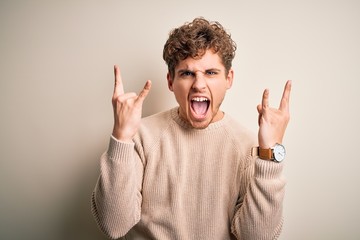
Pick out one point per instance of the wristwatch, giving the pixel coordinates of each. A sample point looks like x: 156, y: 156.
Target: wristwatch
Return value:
x: 276, y: 153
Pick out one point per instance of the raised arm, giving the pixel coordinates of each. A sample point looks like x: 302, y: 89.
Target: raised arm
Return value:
x: 127, y: 109
x: 273, y: 121
x: 259, y: 209
x: 116, y: 200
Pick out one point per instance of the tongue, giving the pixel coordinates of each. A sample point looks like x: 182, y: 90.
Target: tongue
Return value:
x: 199, y: 107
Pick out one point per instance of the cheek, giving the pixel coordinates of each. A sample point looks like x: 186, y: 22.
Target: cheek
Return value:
x: 218, y: 92
x: 180, y: 92
x: 180, y: 89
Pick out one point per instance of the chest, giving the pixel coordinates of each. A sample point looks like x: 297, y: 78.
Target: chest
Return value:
x: 194, y: 173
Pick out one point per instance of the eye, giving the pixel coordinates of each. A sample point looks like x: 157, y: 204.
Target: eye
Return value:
x: 210, y: 72
x: 186, y: 74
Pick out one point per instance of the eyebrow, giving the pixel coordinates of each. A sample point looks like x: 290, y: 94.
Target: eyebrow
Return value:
x: 206, y: 70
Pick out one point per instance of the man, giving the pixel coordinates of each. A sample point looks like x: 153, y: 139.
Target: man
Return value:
x: 192, y: 172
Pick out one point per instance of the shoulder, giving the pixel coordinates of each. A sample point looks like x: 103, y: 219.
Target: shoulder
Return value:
x: 156, y: 122
x: 242, y: 137
x: 152, y: 127
x: 238, y: 129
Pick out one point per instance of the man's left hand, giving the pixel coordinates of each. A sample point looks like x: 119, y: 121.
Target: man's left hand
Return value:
x: 273, y: 121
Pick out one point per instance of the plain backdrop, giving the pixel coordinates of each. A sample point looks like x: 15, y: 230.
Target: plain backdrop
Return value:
x: 56, y: 82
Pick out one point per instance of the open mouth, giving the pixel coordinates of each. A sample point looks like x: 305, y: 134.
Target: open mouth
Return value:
x: 200, y: 106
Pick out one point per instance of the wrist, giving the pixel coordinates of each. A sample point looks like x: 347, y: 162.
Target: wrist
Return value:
x: 121, y: 137
x: 267, y: 145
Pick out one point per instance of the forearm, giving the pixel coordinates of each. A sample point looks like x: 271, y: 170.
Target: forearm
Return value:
x: 259, y: 216
x: 116, y: 199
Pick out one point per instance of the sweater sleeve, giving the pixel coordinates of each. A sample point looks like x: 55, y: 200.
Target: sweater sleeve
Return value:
x: 116, y: 199
x: 258, y: 213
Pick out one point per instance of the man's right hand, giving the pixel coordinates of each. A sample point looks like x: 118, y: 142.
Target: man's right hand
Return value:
x: 127, y: 109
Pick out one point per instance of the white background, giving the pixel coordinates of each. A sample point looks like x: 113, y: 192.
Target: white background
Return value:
x: 56, y: 81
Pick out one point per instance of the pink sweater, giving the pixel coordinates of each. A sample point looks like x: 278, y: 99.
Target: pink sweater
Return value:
x: 175, y: 182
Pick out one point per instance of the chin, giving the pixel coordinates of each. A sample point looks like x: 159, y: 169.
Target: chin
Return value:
x: 200, y: 124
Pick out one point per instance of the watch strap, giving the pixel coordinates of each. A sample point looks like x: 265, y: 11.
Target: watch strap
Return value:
x: 265, y: 154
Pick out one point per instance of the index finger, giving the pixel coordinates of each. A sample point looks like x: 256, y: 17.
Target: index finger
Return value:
x: 118, y: 87
x: 265, y: 99
x: 145, y: 91
x: 284, y: 103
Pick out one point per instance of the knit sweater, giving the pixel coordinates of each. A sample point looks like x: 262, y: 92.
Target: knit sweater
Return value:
x: 175, y: 182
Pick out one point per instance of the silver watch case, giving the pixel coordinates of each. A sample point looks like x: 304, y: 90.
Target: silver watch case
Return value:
x: 279, y: 152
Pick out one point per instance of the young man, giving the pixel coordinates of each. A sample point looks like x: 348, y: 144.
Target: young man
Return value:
x: 192, y: 172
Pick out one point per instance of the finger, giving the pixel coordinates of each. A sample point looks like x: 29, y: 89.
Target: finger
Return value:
x: 265, y: 99
x: 126, y: 96
x: 118, y: 88
x: 259, y: 109
x: 284, y: 103
x: 145, y: 91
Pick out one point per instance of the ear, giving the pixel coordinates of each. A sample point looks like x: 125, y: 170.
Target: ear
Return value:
x: 170, y: 82
x: 229, y: 78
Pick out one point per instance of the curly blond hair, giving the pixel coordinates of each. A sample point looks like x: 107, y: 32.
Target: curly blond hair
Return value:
x: 193, y: 39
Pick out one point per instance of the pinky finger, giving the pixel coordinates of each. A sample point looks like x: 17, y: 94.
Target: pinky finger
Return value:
x: 284, y: 103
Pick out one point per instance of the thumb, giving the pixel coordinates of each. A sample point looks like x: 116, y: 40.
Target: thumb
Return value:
x: 260, y: 111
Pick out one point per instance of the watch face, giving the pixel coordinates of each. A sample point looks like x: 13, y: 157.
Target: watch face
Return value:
x: 279, y: 152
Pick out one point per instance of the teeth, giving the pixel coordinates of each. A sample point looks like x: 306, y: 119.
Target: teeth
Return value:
x: 199, y: 99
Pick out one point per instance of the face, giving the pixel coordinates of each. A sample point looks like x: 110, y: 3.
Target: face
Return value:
x: 199, y: 86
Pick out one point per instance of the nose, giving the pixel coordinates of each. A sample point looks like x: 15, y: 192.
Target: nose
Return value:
x: 199, y: 81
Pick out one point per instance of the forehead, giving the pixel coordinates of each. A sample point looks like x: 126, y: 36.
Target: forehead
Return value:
x: 209, y: 60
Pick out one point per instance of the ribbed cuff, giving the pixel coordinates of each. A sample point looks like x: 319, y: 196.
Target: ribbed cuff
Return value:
x: 268, y: 169
x: 120, y: 151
